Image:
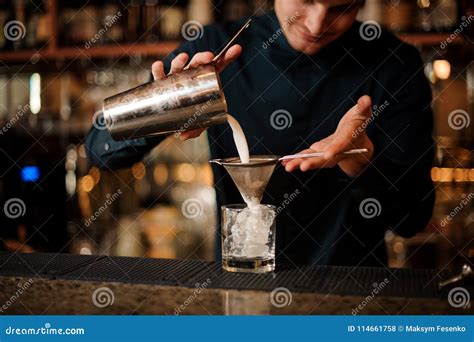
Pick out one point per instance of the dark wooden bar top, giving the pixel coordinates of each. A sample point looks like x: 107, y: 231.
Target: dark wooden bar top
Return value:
x: 44, y: 284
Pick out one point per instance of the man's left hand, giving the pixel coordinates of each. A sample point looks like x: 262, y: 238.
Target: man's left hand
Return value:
x: 350, y: 134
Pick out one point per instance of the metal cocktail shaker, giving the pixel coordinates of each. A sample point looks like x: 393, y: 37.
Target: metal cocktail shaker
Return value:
x: 187, y: 100
x: 192, y: 98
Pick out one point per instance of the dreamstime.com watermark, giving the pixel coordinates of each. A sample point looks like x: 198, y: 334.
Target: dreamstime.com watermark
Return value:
x: 14, y: 208
x: 196, y: 292
x: 281, y: 119
x: 103, y: 297
x: 187, y: 125
x: 370, y: 208
x: 14, y: 30
x: 46, y: 330
x: 465, y: 22
x: 281, y: 297
x: 466, y: 199
x: 376, y: 111
x: 22, y: 287
x: 192, y: 208
x: 459, y: 297
x: 110, y: 199
x: 375, y: 291
x: 286, y: 202
x: 459, y: 119
x: 192, y: 30
x: 109, y: 22
x: 266, y: 44
x: 370, y: 30
x: 18, y: 115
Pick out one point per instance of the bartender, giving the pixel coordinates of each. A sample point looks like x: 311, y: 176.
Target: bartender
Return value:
x: 311, y: 78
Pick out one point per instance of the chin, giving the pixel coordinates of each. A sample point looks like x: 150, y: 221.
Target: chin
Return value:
x: 310, y: 47
x: 306, y: 47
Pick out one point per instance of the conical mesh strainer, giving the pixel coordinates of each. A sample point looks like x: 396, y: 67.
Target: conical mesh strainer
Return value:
x: 250, y: 178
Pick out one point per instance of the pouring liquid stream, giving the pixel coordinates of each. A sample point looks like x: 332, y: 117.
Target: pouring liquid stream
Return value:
x: 243, y: 150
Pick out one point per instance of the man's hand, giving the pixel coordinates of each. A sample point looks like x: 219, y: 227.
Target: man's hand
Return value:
x: 350, y: 134
x: 201, y: 58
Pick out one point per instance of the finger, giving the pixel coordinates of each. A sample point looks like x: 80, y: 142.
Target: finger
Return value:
x: 179, y: 62
x: 231, y: 55
x: 194, y: 133
x: 293, y: 164
x: 316, y: 163
x: 363, y: 109
x: 320, y: 146
x: 158, y: 70
x: 201, y: 58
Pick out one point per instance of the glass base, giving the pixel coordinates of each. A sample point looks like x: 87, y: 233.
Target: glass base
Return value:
x: 248, y: 265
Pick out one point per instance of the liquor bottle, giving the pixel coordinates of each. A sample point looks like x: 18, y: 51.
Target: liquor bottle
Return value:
x: 445, y: 15
x: 5, y: 14
x: 172, y: 19
x: 133, y: 21
x: 150, y: 19
x: 112, y: 19
x: 16, y: 30
x: 38, y: 29
x: 235, y: 9
x: 200, y: 11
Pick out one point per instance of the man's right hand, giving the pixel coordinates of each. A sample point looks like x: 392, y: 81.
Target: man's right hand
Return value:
x: 201, y: 58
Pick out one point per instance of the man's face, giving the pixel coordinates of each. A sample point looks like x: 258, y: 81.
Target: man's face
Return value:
x: 309, y: 25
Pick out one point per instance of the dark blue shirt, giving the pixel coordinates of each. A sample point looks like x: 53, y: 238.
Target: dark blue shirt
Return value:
x: 325, y: 216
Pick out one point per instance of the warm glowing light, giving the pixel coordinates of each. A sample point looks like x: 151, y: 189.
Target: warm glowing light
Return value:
x: 447, y: 174
x: 87, y: 183
x: 460, y: 175
x: 85, y: 251
x: 442, y: 69
x: 160, y: 174
x: 35, y: 93
x: 471, y: 175
x: 138, y: 170
x: 185, y: 172
x: 95, y: 173
x: 424, y: 3
x: 435, y: 174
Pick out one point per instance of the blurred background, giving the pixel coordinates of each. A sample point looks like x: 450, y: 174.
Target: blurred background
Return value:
x: 59, y: 60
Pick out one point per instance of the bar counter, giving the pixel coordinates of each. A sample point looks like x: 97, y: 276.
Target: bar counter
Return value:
x: 50, y: 284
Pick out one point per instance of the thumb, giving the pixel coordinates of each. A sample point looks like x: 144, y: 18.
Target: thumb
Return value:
x: 363, y: 109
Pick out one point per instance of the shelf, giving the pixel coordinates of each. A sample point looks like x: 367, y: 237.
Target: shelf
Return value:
x: 164, y: 48
x: 430, y: 39
x: 104, y: 51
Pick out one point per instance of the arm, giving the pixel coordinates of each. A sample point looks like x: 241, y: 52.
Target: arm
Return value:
x: 400, y: 173
x: 396, y: 171
x: 104, y: 152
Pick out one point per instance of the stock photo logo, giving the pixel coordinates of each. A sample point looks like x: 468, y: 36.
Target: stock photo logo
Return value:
x: 459, y: 297
x: 103, y: 297
x: 192, y: 208
x: 370, y: 30
x: 465, y: 23
x: 14, y: 208
x: 370, y: 208
x: 99, y: 121
x: 281, y: 297
x: 459, y: 119
x: 14, y: 30
x: 281, y: 119
x: 192, y: 30
x: 378, y: 287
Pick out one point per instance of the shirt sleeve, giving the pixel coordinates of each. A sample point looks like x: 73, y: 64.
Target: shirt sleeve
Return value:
x: 399, y: 177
